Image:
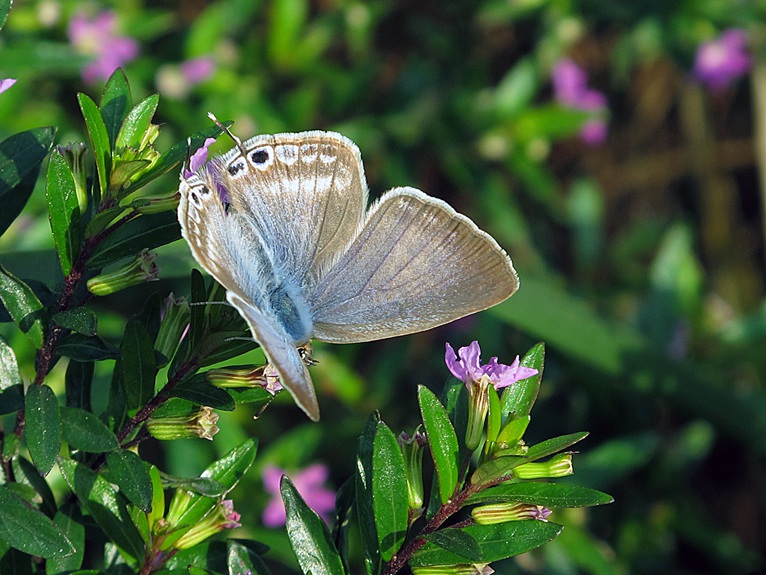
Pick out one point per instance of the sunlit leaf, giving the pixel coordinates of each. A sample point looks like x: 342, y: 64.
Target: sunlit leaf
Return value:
x: 115, y: 103
x: 42, y: 429
x: 131, y: 474
x: 442, y: 440
x: 99, y: 139
x: 389, y: 491
x: 63, y: 211
x: 22, y: 305
x: 84, y: 431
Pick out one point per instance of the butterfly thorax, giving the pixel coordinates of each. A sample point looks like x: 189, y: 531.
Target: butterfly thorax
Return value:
x: 291, y: 311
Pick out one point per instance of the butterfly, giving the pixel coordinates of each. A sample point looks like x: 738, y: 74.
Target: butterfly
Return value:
x: 282, y: 222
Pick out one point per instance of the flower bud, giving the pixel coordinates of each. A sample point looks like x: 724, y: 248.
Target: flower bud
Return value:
x: 139, y: 270
x: 557, y: 466
x: 264, y: 376
x: 502, y: 512
x: 74, y: 154
x: 472, y: 569
x: 221, y: 517
x: 175, y: 323
x: 412, y: 450
x: 202, y: 424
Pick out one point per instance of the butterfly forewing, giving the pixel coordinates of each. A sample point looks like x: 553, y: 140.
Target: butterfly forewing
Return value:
x: 415, y: 264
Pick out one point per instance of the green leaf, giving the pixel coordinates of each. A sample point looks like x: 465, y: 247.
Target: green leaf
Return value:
x: 517, y: 88
x: 554, y: 445
x: 105, y: 505
x: 442, y: 441
x: 457, y: 541
x: 84, y: 431
x: 78, y: 383
x: 137, y: 364
x: 86, y: 348
x: 20, y: 159
x: 42, y: 429
x: 344, y: 508
x: 26, y: 474
x: 200, y: 391
x: 149, y: 231
x: 70, y: 521
x: 25, y: 528
x: 496, y: 468
x: 5, y: 8
x: 9, y: 367
x: 115, y: 103
x: 363, y: 484
x: 136, y: 124
x: 23, y: 306
x: 80, y: 319
x: 130, y: 473
x: 63, y: 211
x: 547, y: 494
x: 309, y: 536
x: 389, y: 491
x: 517, y: 399
x: 496, y: 542
x: 11, y: 399
x: 198, y: 485
x: 242, y: 559
x: 99, y: 140
x: 197, y: 308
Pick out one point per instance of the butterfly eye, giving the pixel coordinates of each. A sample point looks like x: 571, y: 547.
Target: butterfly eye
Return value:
x: 237, y: 168
x: 261, y: 158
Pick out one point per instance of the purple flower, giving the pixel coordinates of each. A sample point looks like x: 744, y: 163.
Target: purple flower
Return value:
x: 97, y: 37
x: 198, y: 158
x: 469, y: 369
x: 722, y: 60
x: 6, y: 83
x: 197, y: 70
x: 570, y: 88
x: 309, y: 483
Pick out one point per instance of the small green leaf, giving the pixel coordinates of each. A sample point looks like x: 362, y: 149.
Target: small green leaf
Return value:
x: 70, y: 521
x: 78, y: 383
x: 23, y: 306
x: 130, y: 473
x: 9, y: 367
x: 103, y: 218
x: 84, y: 431
x: 137, y: 365
x: 309, y: 536
x: 20, y: 159
x: 197, y: 308
x: 5, y: 8
x: 242, y: 559
x: 105, y: 505
x: 548, y: 494
x: 136, y: 124
x: 517, y: 399
x: 11, y: 399
x: 389, y: 491
x: 149, y: 231
x: 554, y: 445
x: 42, y: 429
x: 99, y: 139
x: 457, y: 541
x: 25, y: 528
x: 363, y: 485
x: 86, y: 348
x: 344, y: 508
x: 496, y: 468
x: 80, y: 319
x: 496, y: 542
x: 26, y: 474
x: 63, y: 211
x: 197, y: 390
x: 442, y: 440
x: 115, y: 103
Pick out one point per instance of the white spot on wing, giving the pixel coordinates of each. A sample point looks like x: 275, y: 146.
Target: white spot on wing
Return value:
x: 287, y: 153
x: 309, y: 153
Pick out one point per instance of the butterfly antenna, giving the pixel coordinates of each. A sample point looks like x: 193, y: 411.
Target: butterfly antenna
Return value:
x: 211, y: 303
x: 187, y: 161
x: 228, y: 132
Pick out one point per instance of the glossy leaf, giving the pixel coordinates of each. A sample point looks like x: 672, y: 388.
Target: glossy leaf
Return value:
x: 442, y: 441
x: 23, y: 306
x: 9, y: 367
x: 20, y: 159
x: 344, y: 509
x: 99, y: 139
x: 25, y: 528
x: 5, y: 8
x: 554, y: 445
x: 131, y: 474
x: 363, y: 484
x: 548, y: 494
x: 242, y: 559
x: 78, y: 384
x: 496, y: 542
x: 517, y: 399
x: 84, y: 431
x: 43, y: 428
x: 496, y: 468
x: 136, y: 124
x: 26, y: 474
x: 63, y: 211
x: 389, y: 491
x: 80, y: 319
x: 11, y: 399
x: 137, y: 364
x: 457, y: 541
x: 105, y: 505
x: 81, y: 347
x: 70, y: 521
x: 144, y: 232
x: 309, y: 537
x: 115, y: 103
x: 204, y: 393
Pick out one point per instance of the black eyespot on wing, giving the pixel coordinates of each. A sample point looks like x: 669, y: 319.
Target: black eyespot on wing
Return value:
x: 195, y: 198
x: 259, y: 156
x: 235, y: 168
x: 204, y: 190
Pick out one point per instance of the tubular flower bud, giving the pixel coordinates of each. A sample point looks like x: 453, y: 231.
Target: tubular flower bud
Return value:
x: 502, y: 512
x: 202, y: 424
x: 139, y: 270
x: 557, y: 466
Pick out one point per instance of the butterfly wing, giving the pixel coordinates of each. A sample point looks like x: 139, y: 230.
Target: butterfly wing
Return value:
x: 305, y: 193
x: 415, y: 264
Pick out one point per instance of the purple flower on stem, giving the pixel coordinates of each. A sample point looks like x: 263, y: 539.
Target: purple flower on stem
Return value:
x: 197, y: 70
x: 570, y: 88
x: 6, y: 83
x: 97, y: 37
x: 309, y: 483
x: 722, y: 60
x: 198, y: 158
x: 469, y: 369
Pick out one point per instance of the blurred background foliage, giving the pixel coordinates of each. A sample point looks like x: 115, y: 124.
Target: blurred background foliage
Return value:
x: 641, y: 255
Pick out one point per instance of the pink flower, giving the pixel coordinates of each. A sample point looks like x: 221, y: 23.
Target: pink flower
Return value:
x: 469, y: 369
x: 198, y: 158
x: 97, y: 37
x: 309, y: 483
x: 197, y: 70
x: 6, y: 83
x: 570, y: 88
x: 721, y: 61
